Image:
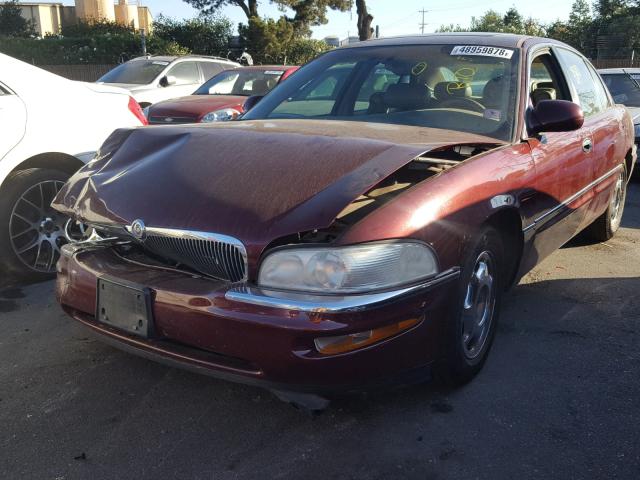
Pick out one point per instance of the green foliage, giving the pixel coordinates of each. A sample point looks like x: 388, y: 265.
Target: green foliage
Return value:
x: 12, y: 23
x: 609, y: 30
x: 276, y: 41
x: 306, y: 13
x: 101, y: 49
x: 205, y: 35
x: 95, y: 28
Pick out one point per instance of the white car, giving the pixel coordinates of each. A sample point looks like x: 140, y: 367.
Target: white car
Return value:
x: 49, y: 128
x: 153, y: 79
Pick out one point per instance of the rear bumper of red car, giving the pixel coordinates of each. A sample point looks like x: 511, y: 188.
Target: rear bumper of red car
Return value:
x: 250, y: 336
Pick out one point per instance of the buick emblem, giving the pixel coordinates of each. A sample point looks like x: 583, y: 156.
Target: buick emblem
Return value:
x: 168, y: 119
x: 138, y: 229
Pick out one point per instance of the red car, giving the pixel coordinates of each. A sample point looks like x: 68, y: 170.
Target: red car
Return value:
x: 358, y: 226
x: 221, y: 98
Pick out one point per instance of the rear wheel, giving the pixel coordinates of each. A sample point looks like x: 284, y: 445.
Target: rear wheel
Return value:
x: 31, y: 232
x: 470, y: 332
x: 607, y: 224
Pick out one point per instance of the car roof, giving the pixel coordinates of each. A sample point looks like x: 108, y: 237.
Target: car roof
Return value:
x: 606, y: 71
x: 507, y: 40
x: 283, y: 68
x: 172, y: 58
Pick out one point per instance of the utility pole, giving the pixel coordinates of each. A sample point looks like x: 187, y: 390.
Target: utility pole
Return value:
x: 422, y: 25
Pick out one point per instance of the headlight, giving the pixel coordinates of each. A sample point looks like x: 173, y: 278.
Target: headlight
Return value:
x: 145, y: 112
x: 223, y: 115
x: 351, y: 269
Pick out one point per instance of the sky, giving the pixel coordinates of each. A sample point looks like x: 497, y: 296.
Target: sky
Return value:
x: 395, y: 17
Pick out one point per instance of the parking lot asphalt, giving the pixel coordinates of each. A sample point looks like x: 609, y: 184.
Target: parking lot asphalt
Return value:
x: 559, y: 396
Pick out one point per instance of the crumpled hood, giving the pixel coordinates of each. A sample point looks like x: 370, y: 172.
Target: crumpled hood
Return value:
x: 256, y: 181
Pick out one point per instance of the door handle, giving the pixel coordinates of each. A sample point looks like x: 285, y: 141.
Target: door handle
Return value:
x: 587, y: 146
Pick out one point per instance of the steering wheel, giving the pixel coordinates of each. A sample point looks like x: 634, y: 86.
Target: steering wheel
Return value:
x: 464, y: 103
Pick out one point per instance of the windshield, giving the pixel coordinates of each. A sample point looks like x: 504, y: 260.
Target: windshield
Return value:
x: 241, y: 82
x: 140, y: 72
x: 624, y: 88
x: 466, y: 88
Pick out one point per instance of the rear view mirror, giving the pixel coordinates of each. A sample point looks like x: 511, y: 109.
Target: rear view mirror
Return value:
x: 554, y: 116
x: 251, y: 102
x: 167, y: 81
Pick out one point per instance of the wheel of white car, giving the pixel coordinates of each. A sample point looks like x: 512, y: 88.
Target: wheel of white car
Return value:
x: 31, y: 232
x: 476, y: 309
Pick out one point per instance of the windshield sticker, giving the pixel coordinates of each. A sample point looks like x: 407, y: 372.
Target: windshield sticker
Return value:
x: 418, y: 68
x: 273, y: 72
x: 490, y: 114
x: 482, y: 51
x: 160, y: 62
x: 620, y: 98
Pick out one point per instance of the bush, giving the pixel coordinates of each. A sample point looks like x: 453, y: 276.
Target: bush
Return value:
x: 102, y: 49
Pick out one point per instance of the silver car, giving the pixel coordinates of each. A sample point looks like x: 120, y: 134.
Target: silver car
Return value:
x: 153, y: 79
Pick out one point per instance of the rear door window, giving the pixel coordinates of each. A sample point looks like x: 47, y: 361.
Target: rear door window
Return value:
x: 185, y: 73
x: 211, y: 69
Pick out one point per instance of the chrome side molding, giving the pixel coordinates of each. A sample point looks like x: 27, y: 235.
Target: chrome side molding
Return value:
x: 330, y: 303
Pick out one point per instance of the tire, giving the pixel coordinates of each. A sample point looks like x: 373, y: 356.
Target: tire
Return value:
x: 470, y: 333
x: 607, y: 224
x: 31, y: 232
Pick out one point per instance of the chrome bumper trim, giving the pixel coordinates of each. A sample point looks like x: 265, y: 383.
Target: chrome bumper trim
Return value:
x: 330, y: 303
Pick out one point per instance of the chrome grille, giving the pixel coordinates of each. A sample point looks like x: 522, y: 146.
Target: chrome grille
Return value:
x: 174, y: 120
x: 218, y: 256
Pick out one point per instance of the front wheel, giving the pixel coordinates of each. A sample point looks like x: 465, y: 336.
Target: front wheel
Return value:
x: 470, y: 332
x: 31, y: 232
x: 607, y: 224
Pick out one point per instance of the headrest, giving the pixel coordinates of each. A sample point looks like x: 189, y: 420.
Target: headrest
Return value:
x: 493, y: 92
x: 405, y: 96
x: 260, y: 87
x: 444, y: 90
x: 540, y: 94
x: 541, y: 85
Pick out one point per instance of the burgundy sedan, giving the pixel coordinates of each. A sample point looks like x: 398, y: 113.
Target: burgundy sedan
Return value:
x: 221, y: 98
x: 359, y: 225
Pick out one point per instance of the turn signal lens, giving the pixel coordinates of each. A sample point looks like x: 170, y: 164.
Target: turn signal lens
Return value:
x: 353, y: 341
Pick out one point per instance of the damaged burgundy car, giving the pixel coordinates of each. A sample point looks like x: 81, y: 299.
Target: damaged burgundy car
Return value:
x: 357, y: 227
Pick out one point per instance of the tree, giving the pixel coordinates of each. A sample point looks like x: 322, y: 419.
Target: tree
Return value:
x: 204, y: 35
x: 307, y: 13
x: 12, y: 23
x: 249, y: 7
x: 365, y: 32
x: 513, y: 21
x: 275, y: 41
x: 491, y: 21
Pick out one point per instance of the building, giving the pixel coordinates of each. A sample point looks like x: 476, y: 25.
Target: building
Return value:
x: 49, y: 18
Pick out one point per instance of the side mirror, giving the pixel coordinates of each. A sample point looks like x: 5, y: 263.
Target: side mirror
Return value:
x: 167, y: 81
x: 251, y: 102
x: 554, y: 116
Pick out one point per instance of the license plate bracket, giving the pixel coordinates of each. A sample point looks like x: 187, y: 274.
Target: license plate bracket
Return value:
x: 125, y: 306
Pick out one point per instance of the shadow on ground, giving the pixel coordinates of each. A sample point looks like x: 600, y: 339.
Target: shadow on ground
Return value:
x: 564, y: 376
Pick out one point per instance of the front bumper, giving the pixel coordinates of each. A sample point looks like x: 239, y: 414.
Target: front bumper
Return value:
x: 255, y: 337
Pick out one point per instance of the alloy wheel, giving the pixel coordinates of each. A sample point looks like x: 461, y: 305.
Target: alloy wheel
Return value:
x: 37, y: 231
x: 616, y: 205
x: 478, y: 306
